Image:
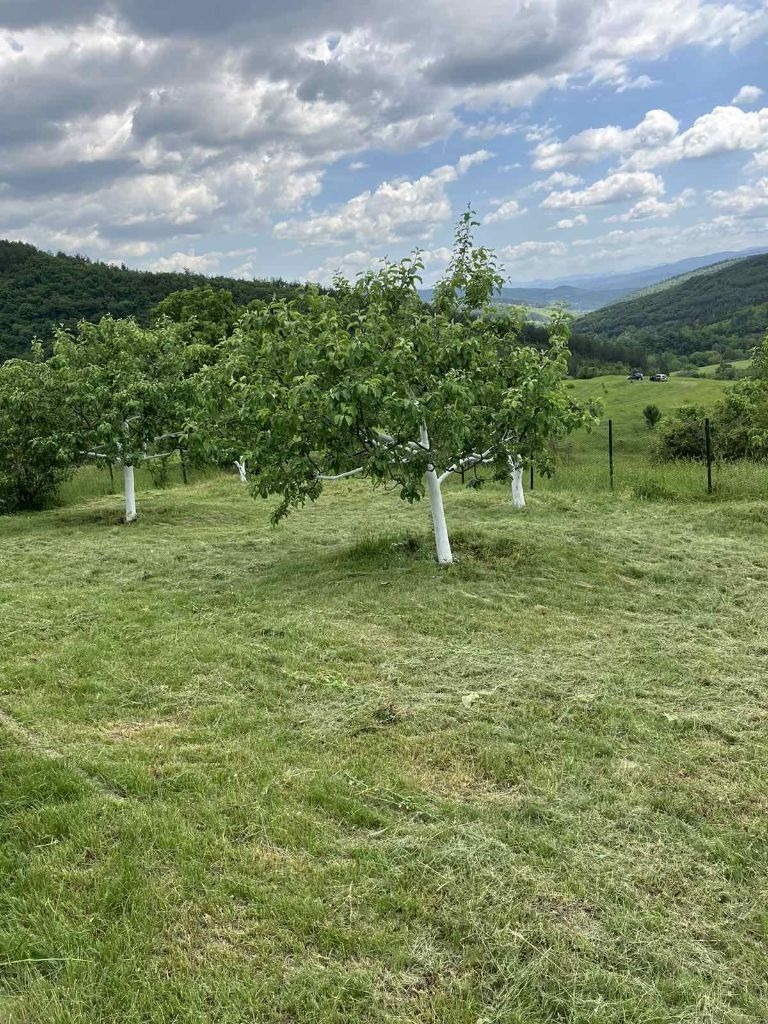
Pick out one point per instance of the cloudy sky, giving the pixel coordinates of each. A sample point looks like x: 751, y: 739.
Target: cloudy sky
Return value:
x: 257, y: 138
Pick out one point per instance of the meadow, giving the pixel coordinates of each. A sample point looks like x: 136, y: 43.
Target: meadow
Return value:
x: 257, y: 774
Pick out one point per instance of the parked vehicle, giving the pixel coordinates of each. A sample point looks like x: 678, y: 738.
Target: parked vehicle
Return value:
x: 659, y: 377
x: 635, y: 375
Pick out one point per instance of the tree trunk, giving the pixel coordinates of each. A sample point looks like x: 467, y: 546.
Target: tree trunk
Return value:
x: 516, y: 475
x: 241, y: 469
x: 442, y: 543
x: 130, y: 494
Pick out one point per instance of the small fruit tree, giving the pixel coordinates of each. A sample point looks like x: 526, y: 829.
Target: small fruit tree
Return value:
x: 372, y: 381
x: 127, y: 391
x: 35, y: 448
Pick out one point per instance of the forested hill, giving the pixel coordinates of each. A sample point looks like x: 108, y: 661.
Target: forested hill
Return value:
x: 726, y: 305
x: 39, y: 291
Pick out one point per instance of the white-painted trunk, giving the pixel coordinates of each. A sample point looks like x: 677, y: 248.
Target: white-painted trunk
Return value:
x: 442, y: 543
x: 516, y: 476
x: 129, y: 489
x: 240, y: 466
x: 434, y: 490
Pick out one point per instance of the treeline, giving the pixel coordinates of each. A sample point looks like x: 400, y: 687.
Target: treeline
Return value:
x: 40, y: 292
x: 725, y: 309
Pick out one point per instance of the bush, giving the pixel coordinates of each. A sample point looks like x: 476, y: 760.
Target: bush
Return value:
x: 652, y: 414
x: 681, y: 436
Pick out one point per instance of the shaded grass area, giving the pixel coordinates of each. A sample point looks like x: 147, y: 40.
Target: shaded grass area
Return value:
x: 305, y: 775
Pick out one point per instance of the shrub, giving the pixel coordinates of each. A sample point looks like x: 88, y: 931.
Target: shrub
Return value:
x: 652, y: 414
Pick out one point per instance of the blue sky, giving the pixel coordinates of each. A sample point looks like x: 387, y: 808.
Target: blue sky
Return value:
x: 258, y: 138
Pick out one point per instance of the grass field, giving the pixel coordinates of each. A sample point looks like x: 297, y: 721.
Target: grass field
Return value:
x: 583, y: 457
x: 303, y: 775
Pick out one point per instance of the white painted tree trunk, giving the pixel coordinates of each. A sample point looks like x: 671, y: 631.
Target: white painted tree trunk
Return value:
x: 129, y: 489
x: 442, y: 543
x: 434, y: 490
x: 516, y: 475
x: 240, y: 466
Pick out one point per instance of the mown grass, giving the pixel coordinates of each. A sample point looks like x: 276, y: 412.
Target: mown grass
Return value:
x: 305, y: 775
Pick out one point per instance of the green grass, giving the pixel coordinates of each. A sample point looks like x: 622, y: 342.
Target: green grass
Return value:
x: 582, y: 462
x: 303, y: 775
x: 737, y: 364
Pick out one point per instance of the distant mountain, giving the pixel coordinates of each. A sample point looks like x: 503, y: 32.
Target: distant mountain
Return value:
x: 39, y: 291
x: 587, y: 292
x: 580, y: 300
x: 714, y: 306
x: 634, y: 280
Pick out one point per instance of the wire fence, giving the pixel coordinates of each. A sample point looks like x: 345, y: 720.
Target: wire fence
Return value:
x: 617, y: 456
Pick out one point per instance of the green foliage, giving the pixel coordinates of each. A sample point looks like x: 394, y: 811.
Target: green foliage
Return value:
x: 371, y: 380
x: 723, y: 309
x: 40, y: 292
x: 209, y: 313
x: 652, y: 415
x: 681, y: 436
x: 34, y: 454
x: 127, y: 390
x: 739, y: 422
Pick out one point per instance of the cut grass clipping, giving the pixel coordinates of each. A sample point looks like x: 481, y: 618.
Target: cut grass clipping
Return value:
x: 302, y: 774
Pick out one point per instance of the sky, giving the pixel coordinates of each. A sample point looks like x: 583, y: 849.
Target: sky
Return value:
x: 257, y: 138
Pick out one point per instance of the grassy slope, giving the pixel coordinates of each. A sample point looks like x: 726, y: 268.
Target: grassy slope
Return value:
x: 307, y: 776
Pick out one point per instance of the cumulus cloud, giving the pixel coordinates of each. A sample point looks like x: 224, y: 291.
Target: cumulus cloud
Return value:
x: 137, y: 126
x: 657, y: 139
x: 504, y: 211
x: 394, y: 211
x: 655, y: 129
x: 614, y: 188
x: 744, y: 201
x: 572, y: 222
x: 558, y: 179
x: 722, y: 130
x: 652, y: 208
x: 747, y: 96
x: 533, y: 251
x: 140, y: 123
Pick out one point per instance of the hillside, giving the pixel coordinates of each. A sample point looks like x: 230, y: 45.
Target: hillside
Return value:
x: 39, y: 291
x: 728, y: 305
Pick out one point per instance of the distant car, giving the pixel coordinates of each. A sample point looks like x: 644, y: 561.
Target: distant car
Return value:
x: 635, y: 375
x: 660, y: 377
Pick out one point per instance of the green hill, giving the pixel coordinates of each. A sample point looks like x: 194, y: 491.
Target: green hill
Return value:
x: 724, y: 306
x: 39, y: 291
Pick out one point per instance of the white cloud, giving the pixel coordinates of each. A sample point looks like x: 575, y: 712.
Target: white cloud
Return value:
x: 747, y: 96
x: 115, y: 137
x: 572, y: 222
x: 204, y: 263
x: 656, y: 128
x: 505, y: 211
x: 559, y: 179
x: 657, y: 139
x: 743, y: 201
x: 652, y: 208
x: 396, y: 210
x: 533, y: 251
x: 614, y: 188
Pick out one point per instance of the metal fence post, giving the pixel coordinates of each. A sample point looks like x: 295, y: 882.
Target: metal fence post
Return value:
x: 708, y: 439
x: 531, y: 476
x: 610, y: 451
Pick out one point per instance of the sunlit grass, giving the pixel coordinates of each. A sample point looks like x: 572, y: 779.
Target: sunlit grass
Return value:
x: 303, y: 774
